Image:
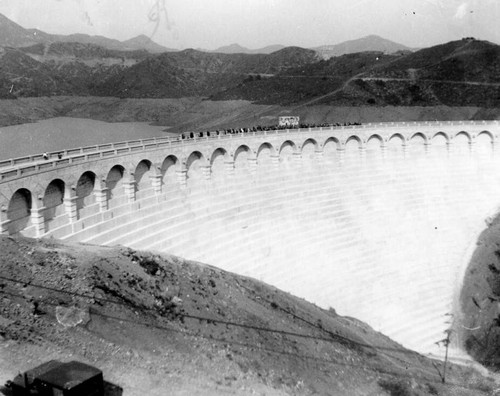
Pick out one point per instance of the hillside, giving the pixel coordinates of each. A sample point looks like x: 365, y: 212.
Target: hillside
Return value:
x: 368, y: 43
x: 195, y: 73
x: 58, y: 52
x: 480, y: 327
x: 14, y: 35
x: 158, y: 324
x: 238, y: 49
x: 374, y: 72
x: 306, y: 82
x: 463, y: 60
x: 459, y: 73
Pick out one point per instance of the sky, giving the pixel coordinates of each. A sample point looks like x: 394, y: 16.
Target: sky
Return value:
x: 210, y: 24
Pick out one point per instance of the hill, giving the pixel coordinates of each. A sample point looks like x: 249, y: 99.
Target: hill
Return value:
x: 368, y: 43
x: 459, y: 73
x: 238, y: 49
x: 14, y: 35
x: 195, y: 73
x: 158, y: 324
x: 64, y: 53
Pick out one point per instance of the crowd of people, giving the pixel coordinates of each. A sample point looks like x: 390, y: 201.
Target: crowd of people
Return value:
x: 233, y: 131
x: 259, y: 128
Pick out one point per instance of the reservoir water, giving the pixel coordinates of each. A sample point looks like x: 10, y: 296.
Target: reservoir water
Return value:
x: 65, y: 132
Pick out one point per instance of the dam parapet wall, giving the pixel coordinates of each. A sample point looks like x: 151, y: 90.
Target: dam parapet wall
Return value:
x: 376, y: 221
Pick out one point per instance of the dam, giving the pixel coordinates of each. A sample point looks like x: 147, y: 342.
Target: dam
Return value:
x: 376, y: 221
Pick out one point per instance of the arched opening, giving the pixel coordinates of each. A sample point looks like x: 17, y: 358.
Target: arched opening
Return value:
x: 193, y: 164
x: 168, y: 171
x: 484, y: 145
x: 416, y: 144
x: 84, y: 189
x: 374, y: 147
x: 241, y: 165
x: 308, y: 150
x: 439, y: 145
x: 439, y: 139
x: 53, y: 202
x: 114, y: 184
x: 19, y: 211
x: 330, y: 149
x: 142, y: 178
x: 217, y: 164
x: 461, y: 145
x: 352, y: 152
x: 395, y: 147
x: 264, y: 155
x: 286, y: 153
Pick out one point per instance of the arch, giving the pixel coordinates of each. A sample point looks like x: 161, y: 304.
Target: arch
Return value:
x: 168, y: 169
x: 217, y: 161
x: 332, y: 140
x: 374, y: 143
x: 375, y: 137
x: 310, y: 141
x: 241, y: 156
x: 309, y: 147
x: 19, y: 211
x: 396, y: 137
x: 193, y: 165
x: 352, y: 147
x: 286, y: 144
x: 286, y: 151
x: 487, y: 133
x: 395, y: 146
x: 352, y: 138
x: 461, y: 144
x: 463, y: 133
x: 484, y: 142
x: 265, y: 147
x: 416, y: 135
x: 264, y: 153
x: 332, y: 144
x: 440, y: 142
x: 417, y: 144
x: 84, y: 190
x: 53, y: 199
x: 439, y: 134
x: 114, y: 181
x: 218, y: 152
x: 141, y: 175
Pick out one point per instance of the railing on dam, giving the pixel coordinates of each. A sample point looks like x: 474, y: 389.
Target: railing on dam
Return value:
x: 16, y: 167
x: 38, y: 194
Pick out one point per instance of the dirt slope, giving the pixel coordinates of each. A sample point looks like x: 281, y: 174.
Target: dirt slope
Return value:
x: 188, y: 114
x: 160, y: 325
x: 479, y: 327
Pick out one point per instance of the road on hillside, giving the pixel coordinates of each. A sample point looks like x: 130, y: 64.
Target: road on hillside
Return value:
x: 359, y: 77
x: 428, y: 80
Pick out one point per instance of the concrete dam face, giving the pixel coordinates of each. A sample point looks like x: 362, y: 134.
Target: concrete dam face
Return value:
x: 377, y: 221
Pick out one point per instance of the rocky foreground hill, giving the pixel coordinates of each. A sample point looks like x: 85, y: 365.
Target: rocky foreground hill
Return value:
x: 161, y: 325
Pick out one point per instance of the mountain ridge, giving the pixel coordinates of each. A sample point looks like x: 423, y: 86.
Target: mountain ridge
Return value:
x: 368, y: 43
x: 459, y: 73
x: 14, y: 35
x: 235, y: 48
